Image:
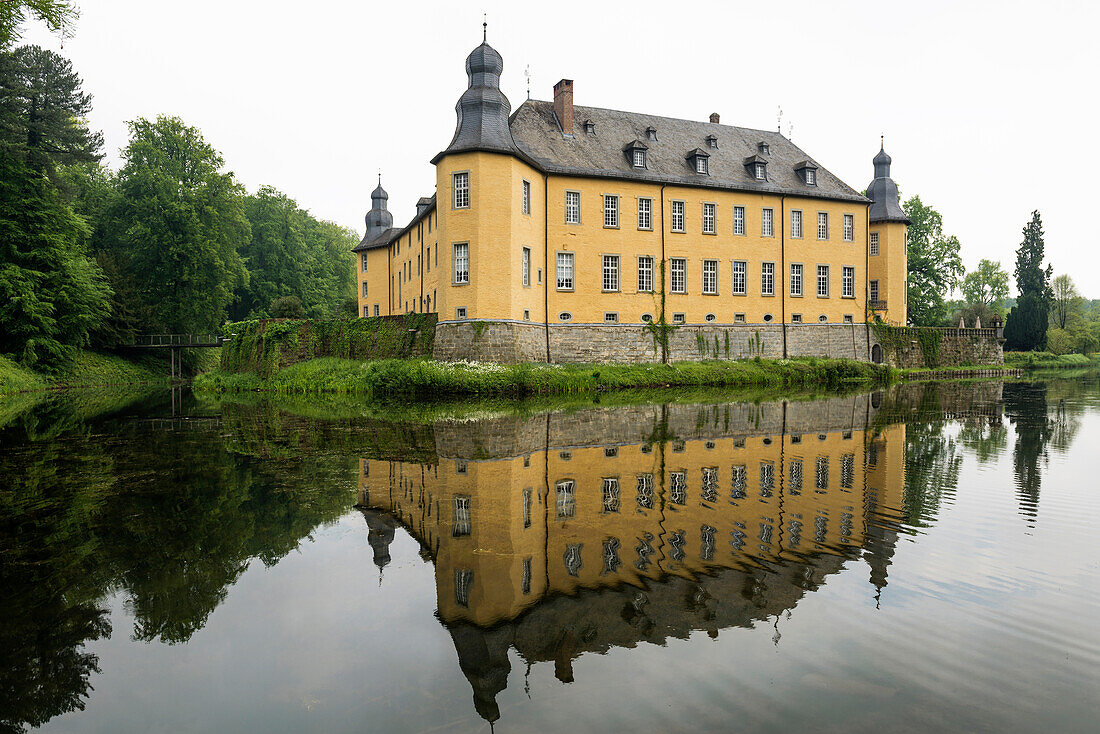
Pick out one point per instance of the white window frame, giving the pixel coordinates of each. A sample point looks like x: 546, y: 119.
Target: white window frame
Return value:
x: 461, y: 524
x: 739, y: 220
x: 823, y: 225
x: 460, y: 190
x: 767, y: 222
x: 849, y: 228
x: 701, y: 164
x: 645, y: 213
x: 796, y: 224
x: 848, y: 281
x: 639, y: 158
x: 760, y: 171
x: 611, y: 317
x: 797, y: 274
x: 873, y: 290
x: 678, y: 212
x: 526, y: 197
x: 611, y: 273
x: 710, y: 277
x: 572, y: 207
x: 740, y: 282
x: 710, y: 218
x: 677, y: 271
x: 767, y: 278
x: 645, y: 273
x: 610, y: 211
x: 822, y: 281
x: 363, y: 258
x: 811, y: 177
x: 365, y: 289
x: 566, y: 271
x: 526, y: 267
x: 874, y: 244
x: 460, y: 256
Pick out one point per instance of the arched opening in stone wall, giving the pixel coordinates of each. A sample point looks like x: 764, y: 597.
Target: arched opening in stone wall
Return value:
x: 876, y: 354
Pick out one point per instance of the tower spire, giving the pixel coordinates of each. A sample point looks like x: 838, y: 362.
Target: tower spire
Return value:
x: 484, y: 27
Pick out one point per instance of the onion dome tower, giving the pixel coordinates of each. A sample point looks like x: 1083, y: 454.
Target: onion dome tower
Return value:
x: 887, y: 263
x: 378, y: 218
x: 482, y: 110
x: 883, y: 193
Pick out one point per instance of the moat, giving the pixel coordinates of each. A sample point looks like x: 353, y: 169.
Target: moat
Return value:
x: 920, y: 558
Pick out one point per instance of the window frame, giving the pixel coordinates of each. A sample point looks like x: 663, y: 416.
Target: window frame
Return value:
x: 849, y: 227
x: 672, y: 216
x: 873, y: 244
x: 526, y: 197
x: 713, y: 290
x: 612, y: 210
x: 739, y: 221
x: 767, y: 279
x: 824, y: 270
x: 572, y: 261
x: 848, y: 281
x: 712, y: 207
x: 455, y: 199
x: 672, y: 263
x: 801, y: 275
x: 648, y: 211
x: 767, y: 221
x: 760, y: 171
x: 873, y: 296
x: 650, y: 263
x: 638, y: 159
x: 822, y: 226
x: 744, y: 272
x: 525, y: 267
x: 615, y: 271
x: 455, y: 272
x: 577, y: 194
x: 796, y: 221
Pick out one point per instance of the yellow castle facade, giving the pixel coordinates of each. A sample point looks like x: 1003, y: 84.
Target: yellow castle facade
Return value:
x: 564, y: 225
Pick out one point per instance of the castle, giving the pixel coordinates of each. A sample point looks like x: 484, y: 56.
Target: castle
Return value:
x: 568, y: 233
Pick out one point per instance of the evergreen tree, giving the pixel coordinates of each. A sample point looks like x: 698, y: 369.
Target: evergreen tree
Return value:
x: 1026, y: 326
x: 1031, y: 311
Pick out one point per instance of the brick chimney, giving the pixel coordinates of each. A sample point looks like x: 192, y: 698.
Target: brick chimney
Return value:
x: 563, y: 105
x: 714, y: 117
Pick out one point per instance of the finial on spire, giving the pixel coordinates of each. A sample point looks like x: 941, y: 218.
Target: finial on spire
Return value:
x: 779, y: 121
x: 484, y: 27
x: 527, y: 73
x: 379, y: 176
x: 882, y: 141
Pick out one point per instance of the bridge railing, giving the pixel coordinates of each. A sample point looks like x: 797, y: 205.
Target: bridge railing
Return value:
x: 177, y: 340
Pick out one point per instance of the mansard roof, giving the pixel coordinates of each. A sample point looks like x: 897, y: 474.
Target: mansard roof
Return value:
x: 538, y: 137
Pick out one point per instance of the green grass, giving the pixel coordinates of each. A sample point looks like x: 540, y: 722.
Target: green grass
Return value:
x: 1042, y: 360
x: 427, y: 379
x: 15, y: 379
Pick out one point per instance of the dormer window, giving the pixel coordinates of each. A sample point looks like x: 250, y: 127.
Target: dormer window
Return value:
x: 712, y: 142
x: 635, y: 152
x: 760, y: 171
x: 807, y: 171
x: 589, y: 127
x: 651, y: 133
x: 763, y: 148
x: 699, y: 160
x: 757, y: 167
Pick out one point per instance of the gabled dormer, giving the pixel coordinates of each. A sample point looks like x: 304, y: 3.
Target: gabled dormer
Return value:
x: 763, y: 148
x: 651, y: 134
x: 757, y: 167
x: 807, y: 171
x: 712, y: 142
x: 699, y: 160
x: 589, y: 127
x: 635, y: 152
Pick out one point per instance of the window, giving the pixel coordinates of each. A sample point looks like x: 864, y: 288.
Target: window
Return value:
x: 796, y: 225
x: 566, y: 500
x: 526, y: 314
x: 639, y: 158
x: 740, y: 270
x: 461, y: 524
x: 739, y: 481
x: 701, y: 164
x: 376, y: 310
x: 565, y: 271
x: 739, y: 318
x: 525, y: 579
x: 768, y: 318
x: 366, y: 311
x: 647, y: 318
x: 565, y: 316
x: 872, y: 288
x: 796, y: 318
x: 460, y: 312
x: 822, y: 281
x: 463, y: 578
x: 462, y: 263
x: 572, y: 207
x: 364, y: 289
x: 794, y: 484
x: 610, y: 273
x: 874, y: 243
x: 611, y: 495
x: 823, y: 319
x: 610, y: 211
x: 848, y: 282
x: 645, y: 494
x: 572, y: 558
x: 526, y: 266
x: 822, y: 225
x: 849, y: 228
x: 759, y: 170
x: 526, y: 197
x: 811, y: 176
x: 678, y: 273
x: 677, y: 216
x: 767, y: 279
x: 527, y: 508
x: 677, y: 493
x: 711, y: 317
x: 363, y: 257
x: 767, y: 478
x: 767, y: 223
x: 739, y: 220
x: 708, y: 218
x: 645, y: 213
x: 796, y: 279
x: 645, y: 274
x: 821, y: 473
x: 848, y: 319
x: 710, y: 277
x: 610, y: 317
x: 679, y: 318
x: 460, y: 190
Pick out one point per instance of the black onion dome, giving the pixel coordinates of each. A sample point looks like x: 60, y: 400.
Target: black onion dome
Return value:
x: 883, y: 193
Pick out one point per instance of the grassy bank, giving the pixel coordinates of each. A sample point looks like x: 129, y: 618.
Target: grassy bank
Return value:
x: 86, y: 369
x: 426, y: 379
x: 1046, y: 360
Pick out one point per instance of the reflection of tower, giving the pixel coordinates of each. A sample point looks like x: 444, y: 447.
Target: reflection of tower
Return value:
x: 483, y: 657
x: 380, y: 533
x: 883, y: 502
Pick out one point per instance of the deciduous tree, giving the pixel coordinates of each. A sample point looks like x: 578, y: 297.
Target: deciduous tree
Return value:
x: 934, y: 264
x: 1066, y: 301
x: 987, y: 284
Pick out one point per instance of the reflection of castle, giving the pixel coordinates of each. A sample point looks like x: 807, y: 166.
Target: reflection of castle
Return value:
x: 607, y: 527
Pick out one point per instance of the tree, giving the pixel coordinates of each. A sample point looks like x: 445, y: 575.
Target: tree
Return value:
x: 1033, y: 283
x: 181, y: 221
x: 56, y: 14
x: 1026, y: 326
x: 934, y: 264
x: 1066, y: 301
x: 287, y: 307
x: 987, y: 284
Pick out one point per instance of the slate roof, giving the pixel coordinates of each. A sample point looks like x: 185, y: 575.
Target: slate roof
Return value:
x: 393, y: 233
x: 538, y: 136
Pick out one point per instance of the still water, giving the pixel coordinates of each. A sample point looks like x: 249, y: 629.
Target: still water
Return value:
x: 919, y: 559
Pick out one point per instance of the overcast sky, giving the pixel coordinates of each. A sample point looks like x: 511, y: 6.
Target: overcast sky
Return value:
x: 983, y: 105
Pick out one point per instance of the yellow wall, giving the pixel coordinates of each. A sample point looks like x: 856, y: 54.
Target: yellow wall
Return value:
x: 374, y: 274
x: 890, y: 268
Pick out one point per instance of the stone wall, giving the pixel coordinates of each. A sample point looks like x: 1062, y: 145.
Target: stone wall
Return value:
x: 952, y: 347
x: 514, y: 341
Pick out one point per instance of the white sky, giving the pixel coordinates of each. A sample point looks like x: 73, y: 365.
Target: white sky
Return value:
x: 983, y: 105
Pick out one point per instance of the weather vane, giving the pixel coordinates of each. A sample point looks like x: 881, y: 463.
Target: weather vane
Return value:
x: 779, y: 120
x: 527, y: 73
x: 484, y: 27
